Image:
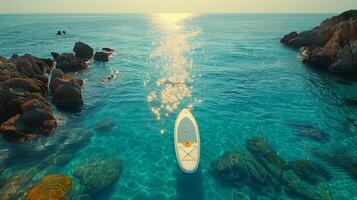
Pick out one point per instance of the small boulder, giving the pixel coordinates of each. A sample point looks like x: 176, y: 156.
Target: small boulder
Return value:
x: 51, y: 187
x: 98, y: 172
x: 102, y: 56
x: 108, y: 49
x: 83, y: 51
x: 67, y: 95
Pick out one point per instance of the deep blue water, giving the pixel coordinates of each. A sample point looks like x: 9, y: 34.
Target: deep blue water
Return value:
x: 231, y: 70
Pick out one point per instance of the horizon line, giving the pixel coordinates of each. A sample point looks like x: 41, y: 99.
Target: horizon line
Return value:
x: 170, y: 12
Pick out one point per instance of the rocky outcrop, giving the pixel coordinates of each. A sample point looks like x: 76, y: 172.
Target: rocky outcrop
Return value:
x: 332, y: 45
x: 66, y: 91
x: 35, y: 118
x: 61, y: 32
x: 24, y: 112
x: 262, y: 168
x: 51, y: 187
x: 25, y: 66
x: 83, y: 51
x: 98, y: 172
x: 68, y: 62
x: 102, y: 56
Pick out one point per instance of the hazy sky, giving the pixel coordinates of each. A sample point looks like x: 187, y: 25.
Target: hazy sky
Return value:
x: 196, y: 6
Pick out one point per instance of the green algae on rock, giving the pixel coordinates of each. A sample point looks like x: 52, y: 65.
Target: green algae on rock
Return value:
x: 98, y: 172
x: 262, y: 168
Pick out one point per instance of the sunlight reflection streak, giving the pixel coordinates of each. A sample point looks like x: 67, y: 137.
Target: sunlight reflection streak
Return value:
x: 170, y: 88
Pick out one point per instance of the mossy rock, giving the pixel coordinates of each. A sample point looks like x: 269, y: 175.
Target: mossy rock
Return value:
x: 240, y: 168
x: 51, y: 187
x: 263, y: 152
x: 294, y: 185
x: 98, y: 172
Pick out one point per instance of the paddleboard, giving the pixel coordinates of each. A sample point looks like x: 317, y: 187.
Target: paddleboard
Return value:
x: 187, y: 142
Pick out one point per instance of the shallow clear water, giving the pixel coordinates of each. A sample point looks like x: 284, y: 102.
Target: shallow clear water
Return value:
x: 231, y: 70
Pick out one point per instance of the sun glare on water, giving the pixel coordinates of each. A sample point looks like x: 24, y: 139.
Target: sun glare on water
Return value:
x: 170, y: 86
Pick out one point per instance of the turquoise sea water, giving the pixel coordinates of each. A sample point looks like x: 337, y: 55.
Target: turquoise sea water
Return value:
x: 230, y: 70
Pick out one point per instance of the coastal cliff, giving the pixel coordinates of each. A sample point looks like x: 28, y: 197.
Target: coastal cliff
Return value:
x: 332, y: 45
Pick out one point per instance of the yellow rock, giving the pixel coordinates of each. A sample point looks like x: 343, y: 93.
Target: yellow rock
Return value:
x: 51, y: 187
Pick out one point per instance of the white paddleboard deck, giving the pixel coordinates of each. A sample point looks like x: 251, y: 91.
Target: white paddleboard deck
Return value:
x: 187, y: 142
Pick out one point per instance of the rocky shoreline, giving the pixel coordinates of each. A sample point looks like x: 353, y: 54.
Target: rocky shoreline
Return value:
x: 25, y: 108
x: 331, y: 46
x: 28, y: 87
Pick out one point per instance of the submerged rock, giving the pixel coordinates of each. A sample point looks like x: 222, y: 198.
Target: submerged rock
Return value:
x: 98, y: 172
x: 350, y: 102
x: 295, y: 186
x: 51, y: 187
x: 12, y: 189
x: 102, y: 56
x: 310, y: 171
x: 263, y: 152
x: 61, y: 159
x: 239, y: 168
x: 339, y: 157
x: 262, y: 168
x: 83, y: 51
x: 310, y: 132
x: 332, y: 45
x: 105, y: 125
